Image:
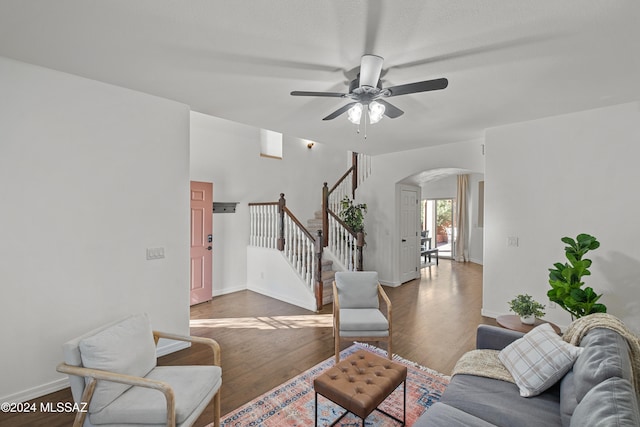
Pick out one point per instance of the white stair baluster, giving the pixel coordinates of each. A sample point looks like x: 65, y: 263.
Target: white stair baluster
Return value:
x: 274, y: 228
x: 251, y: 243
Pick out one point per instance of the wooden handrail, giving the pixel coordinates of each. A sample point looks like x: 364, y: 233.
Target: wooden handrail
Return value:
x: 263, y: 204
x: 342, y: 178
x: 299, y: 224
x: 342, y: 223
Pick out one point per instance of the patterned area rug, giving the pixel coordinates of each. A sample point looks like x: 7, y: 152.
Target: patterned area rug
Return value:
x: 292, y: 403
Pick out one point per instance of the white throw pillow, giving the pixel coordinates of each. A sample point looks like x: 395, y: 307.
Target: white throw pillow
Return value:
x: 538, y: 360
x: 125, y: 348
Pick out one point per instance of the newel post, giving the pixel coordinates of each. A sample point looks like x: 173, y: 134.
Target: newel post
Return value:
x: 354, y: 174
x: 359, y: 246
x: 318, y: 286
x: 281, y: 204
x: 325, y: 215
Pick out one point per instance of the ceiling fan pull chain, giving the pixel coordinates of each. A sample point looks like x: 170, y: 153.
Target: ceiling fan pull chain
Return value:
x: 364, y: 116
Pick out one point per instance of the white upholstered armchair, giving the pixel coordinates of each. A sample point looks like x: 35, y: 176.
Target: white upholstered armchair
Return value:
x: 356, y: 309
x: 114, y: 371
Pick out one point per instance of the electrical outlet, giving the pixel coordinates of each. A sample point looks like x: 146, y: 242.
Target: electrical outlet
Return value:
x: 512, y: 241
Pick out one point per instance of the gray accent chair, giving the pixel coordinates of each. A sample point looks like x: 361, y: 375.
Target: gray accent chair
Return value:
x: 115, y: 380
x: 356, y: 309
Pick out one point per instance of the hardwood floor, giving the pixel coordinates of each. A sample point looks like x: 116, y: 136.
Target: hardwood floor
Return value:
x: 265, y: 341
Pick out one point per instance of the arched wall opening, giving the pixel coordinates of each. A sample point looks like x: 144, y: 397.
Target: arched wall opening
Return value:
x: 440, y: 184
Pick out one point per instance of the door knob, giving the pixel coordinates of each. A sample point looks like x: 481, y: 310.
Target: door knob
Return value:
x: 209, y: 248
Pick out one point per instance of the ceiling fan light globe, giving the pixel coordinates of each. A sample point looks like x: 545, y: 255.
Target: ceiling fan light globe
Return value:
x: 376, y: 112
x: 355, y: 113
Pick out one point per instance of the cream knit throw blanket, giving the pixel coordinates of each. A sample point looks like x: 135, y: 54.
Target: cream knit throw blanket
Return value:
x: 485, y: 363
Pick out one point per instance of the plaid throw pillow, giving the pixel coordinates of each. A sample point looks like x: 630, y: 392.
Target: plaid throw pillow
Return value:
x: 538, y: 360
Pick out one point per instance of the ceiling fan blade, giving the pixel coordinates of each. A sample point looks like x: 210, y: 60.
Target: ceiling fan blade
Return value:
x: 424, y: 86
x: 339, y: 111
x: 390, y: 110
x: 370, y: 69
x: 326, y: 94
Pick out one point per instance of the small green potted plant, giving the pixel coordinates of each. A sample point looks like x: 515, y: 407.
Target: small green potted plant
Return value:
x: 527, y: 308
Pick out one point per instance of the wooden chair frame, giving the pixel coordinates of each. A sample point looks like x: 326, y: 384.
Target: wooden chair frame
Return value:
x: 336, y: 323
x: 99, y: 375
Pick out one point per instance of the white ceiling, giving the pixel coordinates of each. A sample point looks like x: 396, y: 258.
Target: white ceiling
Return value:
x: 506, y: 60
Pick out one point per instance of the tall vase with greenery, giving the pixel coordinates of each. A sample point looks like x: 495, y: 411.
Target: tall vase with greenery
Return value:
x: 566, y: 279
x: 352, y: 215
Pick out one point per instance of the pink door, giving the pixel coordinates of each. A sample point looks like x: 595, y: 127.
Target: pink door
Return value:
x: 201, y: 241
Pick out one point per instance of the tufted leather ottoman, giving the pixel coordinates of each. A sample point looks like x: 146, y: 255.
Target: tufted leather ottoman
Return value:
x: 360, y: 383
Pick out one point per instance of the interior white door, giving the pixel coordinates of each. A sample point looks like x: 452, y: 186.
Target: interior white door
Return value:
x: 409, y: 234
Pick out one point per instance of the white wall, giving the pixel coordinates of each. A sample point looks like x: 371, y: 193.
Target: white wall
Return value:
x: 379, y: 192
x: 557, y: 177
x: 228, y: 154
x: 270, y: 273
x: 476, y: 233
x: 90, y: 176
x: 443, y: 188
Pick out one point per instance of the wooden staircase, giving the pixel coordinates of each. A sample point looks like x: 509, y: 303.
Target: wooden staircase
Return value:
x: 314, y: 224
x: 273, y: 226
x: 328, y: 273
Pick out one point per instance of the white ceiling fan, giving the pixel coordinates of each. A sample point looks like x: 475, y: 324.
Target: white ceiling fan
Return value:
x: 367, y: 93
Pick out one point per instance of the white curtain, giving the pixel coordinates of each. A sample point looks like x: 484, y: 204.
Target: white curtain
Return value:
x: 461, y: 220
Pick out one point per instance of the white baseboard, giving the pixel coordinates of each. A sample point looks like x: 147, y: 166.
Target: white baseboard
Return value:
x: 488, y: 313
x: 475, y: 261
x: 217, y: 293
x: 37, y: 391
x: 390, y: 284
x: 164, y: 347
x: 282, y: 297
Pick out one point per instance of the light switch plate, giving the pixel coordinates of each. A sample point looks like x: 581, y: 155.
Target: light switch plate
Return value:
x: 155, y: 253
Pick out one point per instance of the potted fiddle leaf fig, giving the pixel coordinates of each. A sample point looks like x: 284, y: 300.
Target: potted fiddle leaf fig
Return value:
x: 527, y: 308
x: 353, y: 215
x: 566, y: 279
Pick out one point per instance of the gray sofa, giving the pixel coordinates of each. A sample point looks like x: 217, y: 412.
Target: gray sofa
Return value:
x: 597, y: 391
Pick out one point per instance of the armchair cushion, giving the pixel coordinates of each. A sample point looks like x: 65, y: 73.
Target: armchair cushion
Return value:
x: 193, y: 386
x: 127, y: 348
x: 358, y: 289
x: 363, y: 322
